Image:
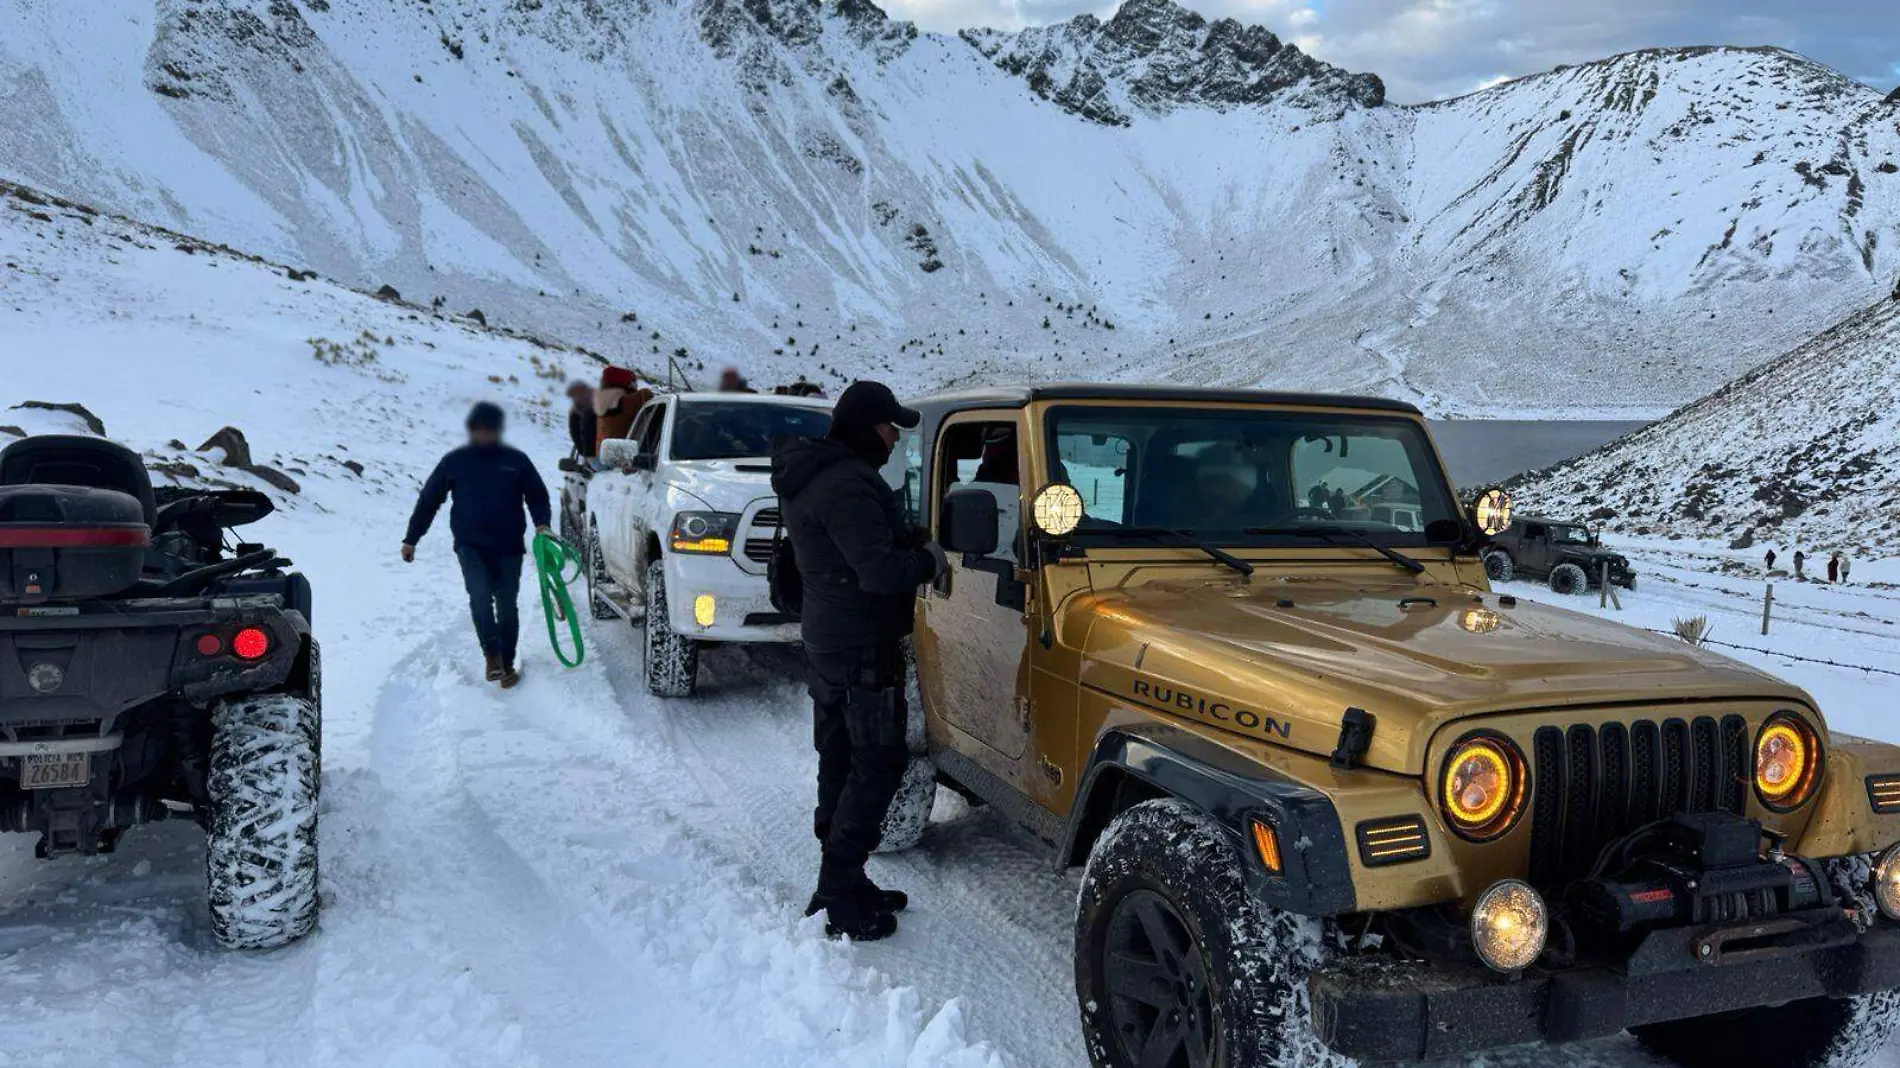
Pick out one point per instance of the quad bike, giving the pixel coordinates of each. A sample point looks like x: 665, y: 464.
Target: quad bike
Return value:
x: 152, y: 668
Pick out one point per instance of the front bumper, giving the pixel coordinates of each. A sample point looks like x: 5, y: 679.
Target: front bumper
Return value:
x: 1387, y: 1010
x: 742, y: 603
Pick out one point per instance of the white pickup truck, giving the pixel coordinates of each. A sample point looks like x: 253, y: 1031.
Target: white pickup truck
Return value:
x: 677, y: 527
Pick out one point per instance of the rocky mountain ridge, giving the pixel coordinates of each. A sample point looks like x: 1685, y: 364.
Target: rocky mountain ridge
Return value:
x: 815, y: 188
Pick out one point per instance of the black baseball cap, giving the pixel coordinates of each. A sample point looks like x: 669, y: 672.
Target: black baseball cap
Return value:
x: 866, y: 403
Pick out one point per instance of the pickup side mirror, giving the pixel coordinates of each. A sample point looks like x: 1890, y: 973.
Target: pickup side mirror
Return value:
x: 570, y: 465
x: 969, y: 522
x: 620, y: 453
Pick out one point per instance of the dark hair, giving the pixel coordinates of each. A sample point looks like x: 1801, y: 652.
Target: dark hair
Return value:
x: 486, y: 416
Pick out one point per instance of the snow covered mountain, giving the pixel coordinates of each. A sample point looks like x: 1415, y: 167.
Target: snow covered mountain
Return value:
x: 1800, y: 453
x: 815, y: 188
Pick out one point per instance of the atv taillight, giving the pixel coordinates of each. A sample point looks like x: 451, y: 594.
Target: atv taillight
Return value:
x: 210, y: 645
x: 251, y: 643
x: 97, y: 537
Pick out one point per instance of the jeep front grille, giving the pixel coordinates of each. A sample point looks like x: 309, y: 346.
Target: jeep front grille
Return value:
x: 1590, y: 786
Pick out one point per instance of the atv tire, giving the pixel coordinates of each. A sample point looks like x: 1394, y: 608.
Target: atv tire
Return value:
x: 1499, y: 567
x: 1166, y: 930
x: 909, y: 814
x: 1816, y: 1033
x: 597, y: 604
x: 672, y: 658
x: 1568, y: 580
x: 261, y: 850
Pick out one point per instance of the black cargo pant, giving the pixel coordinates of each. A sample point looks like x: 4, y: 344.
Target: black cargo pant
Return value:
x: 494, y: 584
x: 858, y: 721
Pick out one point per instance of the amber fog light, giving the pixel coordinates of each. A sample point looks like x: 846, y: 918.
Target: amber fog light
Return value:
x: 1510, y: 926
x: 1887, y: 883
x: 704, y: 609
x: 1482, y: 787
x: 1787, y: 762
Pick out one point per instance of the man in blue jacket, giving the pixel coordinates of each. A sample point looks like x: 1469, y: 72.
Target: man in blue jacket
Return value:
x: 490, y: 482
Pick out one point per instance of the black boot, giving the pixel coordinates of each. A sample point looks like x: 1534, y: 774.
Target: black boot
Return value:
x: 881, y: 899
x: 848, y: 917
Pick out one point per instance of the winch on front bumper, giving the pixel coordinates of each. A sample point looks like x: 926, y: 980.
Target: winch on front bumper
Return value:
x: 1692, y: 920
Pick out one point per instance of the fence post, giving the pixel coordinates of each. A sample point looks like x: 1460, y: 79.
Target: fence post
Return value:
x: 1767, y: 607
x: 1603, y: 595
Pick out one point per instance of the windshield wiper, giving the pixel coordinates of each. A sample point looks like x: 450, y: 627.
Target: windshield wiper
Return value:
x: 1335, y: 533
x: 1220, y: 555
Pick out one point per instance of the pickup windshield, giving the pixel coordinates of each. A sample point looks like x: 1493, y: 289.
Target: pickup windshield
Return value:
x: 1249, y: 476
x: 713, y: 430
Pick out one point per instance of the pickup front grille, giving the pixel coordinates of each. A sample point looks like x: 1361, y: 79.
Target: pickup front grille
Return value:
x: 765, y: 517
x: 1590, y: 786
x: 759, y: 550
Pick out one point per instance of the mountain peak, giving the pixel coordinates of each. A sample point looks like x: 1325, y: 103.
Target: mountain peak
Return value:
x: 1154, y: 56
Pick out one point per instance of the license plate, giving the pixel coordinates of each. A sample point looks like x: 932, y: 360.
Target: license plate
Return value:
x: 48, y: 771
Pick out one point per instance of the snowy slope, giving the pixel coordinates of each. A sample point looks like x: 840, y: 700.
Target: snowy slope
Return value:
x: 814, y: 188
x: 1803, y: 452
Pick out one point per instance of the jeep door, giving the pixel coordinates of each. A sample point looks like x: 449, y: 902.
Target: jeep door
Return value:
x: 1533, y: 549
x: 973, y: 638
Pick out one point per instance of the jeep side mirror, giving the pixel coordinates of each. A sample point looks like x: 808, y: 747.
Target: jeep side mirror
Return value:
x: 619, y: 453
x: 969, y: 522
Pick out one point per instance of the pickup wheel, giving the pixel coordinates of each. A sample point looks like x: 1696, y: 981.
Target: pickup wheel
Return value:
x: 597, y: 604
x: 1816, y: 1033
x: 1568, y: 580
x: 261, y: 851
x: 1175, y: 963
x: 672, y: 658
x: 1499, y: 567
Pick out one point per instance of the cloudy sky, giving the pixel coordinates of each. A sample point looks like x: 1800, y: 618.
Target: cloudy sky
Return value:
x: 1428, y: 49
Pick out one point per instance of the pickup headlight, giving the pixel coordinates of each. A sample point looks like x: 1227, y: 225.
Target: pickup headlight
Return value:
x: 1482, y: 786
x: 704, y: 532
x: 1787, y: 762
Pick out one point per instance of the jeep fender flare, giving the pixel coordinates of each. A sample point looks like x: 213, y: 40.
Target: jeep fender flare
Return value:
x: 1162, y: 760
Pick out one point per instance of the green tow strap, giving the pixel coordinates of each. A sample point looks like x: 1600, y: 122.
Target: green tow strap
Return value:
x: 551, y: 557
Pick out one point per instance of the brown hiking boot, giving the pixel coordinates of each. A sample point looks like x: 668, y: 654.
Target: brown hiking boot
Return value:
x: 509, y: 676
x: 495, y: 669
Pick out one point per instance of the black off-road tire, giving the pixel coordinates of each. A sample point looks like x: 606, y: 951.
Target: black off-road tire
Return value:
x: 597, y: 604
x: 672, y: 658
x: 1569, y: 580
x: 909, y: 814
x: 1499, y: 567
x: 1816, y: 1033
x: 1164, y: 924
x: 261, y: 847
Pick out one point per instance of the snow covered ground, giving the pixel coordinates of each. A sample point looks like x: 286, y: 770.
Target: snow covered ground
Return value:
x: 570, y: 873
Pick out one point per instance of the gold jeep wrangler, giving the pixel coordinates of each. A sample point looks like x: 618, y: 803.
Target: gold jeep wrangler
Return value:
x: 1236, y: 653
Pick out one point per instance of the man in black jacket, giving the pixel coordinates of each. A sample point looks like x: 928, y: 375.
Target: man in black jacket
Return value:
x: 582, y: 423
x: 490, y: 481
x: 860, y: 564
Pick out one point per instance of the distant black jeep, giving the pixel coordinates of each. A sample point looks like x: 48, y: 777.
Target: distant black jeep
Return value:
x: 1567, y: 555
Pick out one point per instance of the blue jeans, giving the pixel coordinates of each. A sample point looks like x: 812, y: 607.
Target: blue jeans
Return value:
x: 494, y: 582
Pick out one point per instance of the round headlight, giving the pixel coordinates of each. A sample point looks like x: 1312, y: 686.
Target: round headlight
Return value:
x: 1787, y: 762
x: 1510, y: 926
x: 1482, y: 787
x: 1057, y: 509
x: 1492, y: 512
x: 694, y: 526
x: 1887, y: 883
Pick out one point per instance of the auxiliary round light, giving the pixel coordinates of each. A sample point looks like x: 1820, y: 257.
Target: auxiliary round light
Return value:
x: 1787, y: 762
x: 1887, y: 883
x: 703, y: 608
x: 1482, y: 786
x: 1492, y: 512
x: 1058, y: 509
x: 1480, y: 620
x: 1509, y: 926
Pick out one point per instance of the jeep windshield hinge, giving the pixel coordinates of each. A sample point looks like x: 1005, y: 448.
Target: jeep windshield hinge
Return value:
x: 1355, y: 737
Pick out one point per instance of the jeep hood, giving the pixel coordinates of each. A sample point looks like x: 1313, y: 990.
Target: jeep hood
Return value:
x: 1284, y: 660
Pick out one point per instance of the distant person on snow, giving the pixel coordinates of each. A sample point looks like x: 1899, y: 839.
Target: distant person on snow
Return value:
x: 1768, y: 562
x: 860, y: 565
x: 1834, y: 567
x: 1847, y: 564
x: 1800, y: 563
x: 583, y: 425
x: 491, y: 482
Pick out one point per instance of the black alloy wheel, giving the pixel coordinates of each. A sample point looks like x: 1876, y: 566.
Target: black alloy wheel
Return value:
x: 1161, y: 1008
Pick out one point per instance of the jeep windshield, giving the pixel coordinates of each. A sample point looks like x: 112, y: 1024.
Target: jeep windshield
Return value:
x: 741, y: 430
x: 1244, y: 476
